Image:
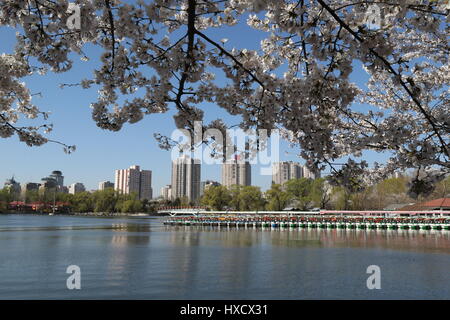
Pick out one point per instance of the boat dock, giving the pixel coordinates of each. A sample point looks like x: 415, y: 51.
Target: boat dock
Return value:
x: 314, y: 221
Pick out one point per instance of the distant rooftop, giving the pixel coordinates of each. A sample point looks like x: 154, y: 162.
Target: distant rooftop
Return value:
x: 436, y: 204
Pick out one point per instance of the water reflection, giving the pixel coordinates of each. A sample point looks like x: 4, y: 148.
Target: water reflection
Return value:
x: 128, y: 227
x: 142, y: 258
x: 410, y: 240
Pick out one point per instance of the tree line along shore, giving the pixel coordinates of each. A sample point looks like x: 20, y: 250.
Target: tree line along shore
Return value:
x: 296, y: 194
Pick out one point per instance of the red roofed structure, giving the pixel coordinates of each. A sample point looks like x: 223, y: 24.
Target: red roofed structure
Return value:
x: 436, y: 204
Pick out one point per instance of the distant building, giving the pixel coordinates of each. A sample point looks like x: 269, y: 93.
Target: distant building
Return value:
x: 30, y: 186
x: 186, y: 178
x: 105, y: 185
x: 59, y: 178
x: 236, y: 172
x: 206, y: 184
x: 54, y: 181
x: 166, y: 192
x: 134, y: 180
x: 286, y: 170
x: 146, y: 191
x: 12, y: 185
x: 308, y: 174
x: 76, y: 188
x: 48, y: 184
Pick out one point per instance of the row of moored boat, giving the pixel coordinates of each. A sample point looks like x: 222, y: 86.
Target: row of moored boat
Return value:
x: 315, y: 222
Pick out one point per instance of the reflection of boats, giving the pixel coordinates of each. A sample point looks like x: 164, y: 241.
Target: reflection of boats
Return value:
x: 138, y: 215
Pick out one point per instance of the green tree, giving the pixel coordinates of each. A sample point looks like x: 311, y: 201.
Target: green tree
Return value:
x: 251, y: 198
x: 236, y: 200
x: 131, y: 206
x: 5, y: 198
x: 391, y: 190
x: 47, y: 195
x: 121, y: 199
x: 6, y: 195
x: 83, y: 202
x: 216, y: 197
x: 277, y: 198
x: 105, y: 200
x: 299, y: 190
x: 151, y: 207
x: 64, y: 197
x: 31, y: 196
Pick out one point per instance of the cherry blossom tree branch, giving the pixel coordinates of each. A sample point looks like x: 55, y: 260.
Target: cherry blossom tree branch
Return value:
x: 388, y: 65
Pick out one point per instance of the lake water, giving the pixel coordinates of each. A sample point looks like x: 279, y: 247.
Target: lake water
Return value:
x: 140, y: 258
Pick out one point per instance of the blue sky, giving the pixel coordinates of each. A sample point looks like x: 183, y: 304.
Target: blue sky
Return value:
x: 100, y: 152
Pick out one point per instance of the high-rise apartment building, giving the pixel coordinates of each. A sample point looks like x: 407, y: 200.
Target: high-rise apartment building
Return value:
x: 105, y: 185
x: 235, y: 172
x: 166, y: 192
x: 309, y: 174
x: 145, y: 187
x: 134, y: 180
x: 186, y: 178
x: 58, y: 177
x: 286, y: 170
x: 30, y: 186
x: 76, y: 188
x: 54, y: 181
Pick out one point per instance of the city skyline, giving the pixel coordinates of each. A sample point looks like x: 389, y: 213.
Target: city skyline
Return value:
x: 157, y: 191
x: 97, y: 170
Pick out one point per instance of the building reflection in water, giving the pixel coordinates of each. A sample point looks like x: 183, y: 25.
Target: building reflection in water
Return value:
x: 124, y: 254
x: 181, y: 259
x: 225, y: 256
